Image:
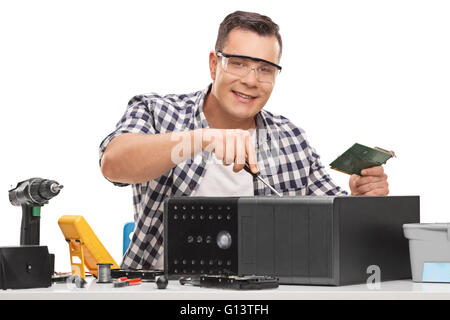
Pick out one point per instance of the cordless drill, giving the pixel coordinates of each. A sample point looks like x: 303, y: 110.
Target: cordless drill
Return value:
x: 32, y: 194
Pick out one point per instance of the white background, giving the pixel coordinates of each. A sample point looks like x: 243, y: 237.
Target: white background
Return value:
x: 373, y: 72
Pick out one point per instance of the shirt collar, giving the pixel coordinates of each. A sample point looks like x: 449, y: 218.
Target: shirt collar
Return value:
x: 199, y: 116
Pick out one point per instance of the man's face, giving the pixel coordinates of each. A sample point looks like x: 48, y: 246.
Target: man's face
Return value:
x: 228, y: 88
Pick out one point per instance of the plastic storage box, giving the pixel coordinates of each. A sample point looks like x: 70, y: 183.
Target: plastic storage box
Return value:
x: 429, y: 247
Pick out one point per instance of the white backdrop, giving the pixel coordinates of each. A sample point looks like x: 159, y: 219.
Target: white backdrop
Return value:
x: 373, y: 72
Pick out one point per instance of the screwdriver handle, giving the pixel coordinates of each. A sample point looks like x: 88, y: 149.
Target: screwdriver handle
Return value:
x: 247, y: 168
x: 134, y: 281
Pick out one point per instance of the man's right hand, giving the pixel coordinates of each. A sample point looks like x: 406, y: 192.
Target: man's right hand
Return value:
x: 231, y: 146
x: 136, y: 158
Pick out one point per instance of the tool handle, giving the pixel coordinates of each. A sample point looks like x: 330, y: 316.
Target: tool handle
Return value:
x: 247, y: 168
x: 125, y: 282
x: 134, y: 281
x: 29, y: 229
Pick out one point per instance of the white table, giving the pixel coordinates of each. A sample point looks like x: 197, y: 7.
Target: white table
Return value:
x: 391, y: 290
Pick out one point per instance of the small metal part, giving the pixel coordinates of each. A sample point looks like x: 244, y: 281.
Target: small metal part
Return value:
x: 55, y: 187
x: 392, y: 153
x: 120, y: 284
x: 145, y: 275
x: 238, y: 282
x: 79, y: 282
x: 104, y: 273
x: 74, y: 279
x: 194, y: 281
x: 61, y: 276
x: 162, y: 282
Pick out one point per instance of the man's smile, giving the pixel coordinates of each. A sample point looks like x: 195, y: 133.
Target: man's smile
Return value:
x: 243, y: 97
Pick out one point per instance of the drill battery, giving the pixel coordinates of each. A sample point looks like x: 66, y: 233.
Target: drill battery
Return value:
x: 25, y: 267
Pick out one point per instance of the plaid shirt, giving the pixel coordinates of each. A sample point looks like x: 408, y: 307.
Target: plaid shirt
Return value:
x: 285, y: 160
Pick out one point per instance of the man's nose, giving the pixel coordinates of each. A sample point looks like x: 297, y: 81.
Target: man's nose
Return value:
x: 251, y: 78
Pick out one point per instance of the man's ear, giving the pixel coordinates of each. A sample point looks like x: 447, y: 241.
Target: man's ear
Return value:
x: 212, y: 64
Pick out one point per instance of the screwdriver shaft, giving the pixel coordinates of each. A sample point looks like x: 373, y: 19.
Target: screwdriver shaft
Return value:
x: 268, y: 185
x: 257, y: 175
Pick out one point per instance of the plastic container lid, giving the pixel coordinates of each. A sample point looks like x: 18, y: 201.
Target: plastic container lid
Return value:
x: 427, y: 231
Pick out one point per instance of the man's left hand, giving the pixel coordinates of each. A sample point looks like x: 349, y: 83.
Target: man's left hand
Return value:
x: 372, y: 182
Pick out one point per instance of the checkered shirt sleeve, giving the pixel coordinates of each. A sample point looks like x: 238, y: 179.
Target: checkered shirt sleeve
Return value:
x: 137, y: 118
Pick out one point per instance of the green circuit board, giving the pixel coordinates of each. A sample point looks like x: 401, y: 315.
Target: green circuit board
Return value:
x: 359, y: 157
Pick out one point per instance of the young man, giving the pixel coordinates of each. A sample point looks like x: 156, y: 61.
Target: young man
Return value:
x: 198, y: 143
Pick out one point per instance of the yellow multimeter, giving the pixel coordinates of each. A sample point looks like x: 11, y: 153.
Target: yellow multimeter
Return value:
x: 84, y: 246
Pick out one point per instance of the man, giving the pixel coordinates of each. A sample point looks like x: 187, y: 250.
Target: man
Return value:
x: 198, y: 143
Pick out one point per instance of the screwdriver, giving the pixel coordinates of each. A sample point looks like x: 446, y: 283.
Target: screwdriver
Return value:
x: 258, y: 176
x: 125, y: 282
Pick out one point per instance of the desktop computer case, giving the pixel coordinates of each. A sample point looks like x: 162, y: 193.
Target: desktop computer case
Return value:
x: 301, y: 240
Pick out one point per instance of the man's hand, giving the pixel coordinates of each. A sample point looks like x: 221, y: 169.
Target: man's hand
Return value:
x: 372, y: 182
x: 231, y: 146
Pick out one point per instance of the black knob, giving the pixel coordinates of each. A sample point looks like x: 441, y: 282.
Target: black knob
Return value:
x: 162, y: 282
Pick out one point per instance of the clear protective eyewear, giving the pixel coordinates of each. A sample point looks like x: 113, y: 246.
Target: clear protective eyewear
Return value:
x: 241, y: 66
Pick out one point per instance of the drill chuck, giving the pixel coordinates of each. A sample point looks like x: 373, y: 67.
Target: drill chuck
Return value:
x: 34, y: 191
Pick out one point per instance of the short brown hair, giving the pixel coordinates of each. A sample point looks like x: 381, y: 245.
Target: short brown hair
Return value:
x: 262, y: 25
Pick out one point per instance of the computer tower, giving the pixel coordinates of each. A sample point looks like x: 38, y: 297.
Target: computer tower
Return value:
x: 300, y: 239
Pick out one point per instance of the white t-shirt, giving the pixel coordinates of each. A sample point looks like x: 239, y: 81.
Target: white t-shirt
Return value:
x: 221, y: 181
